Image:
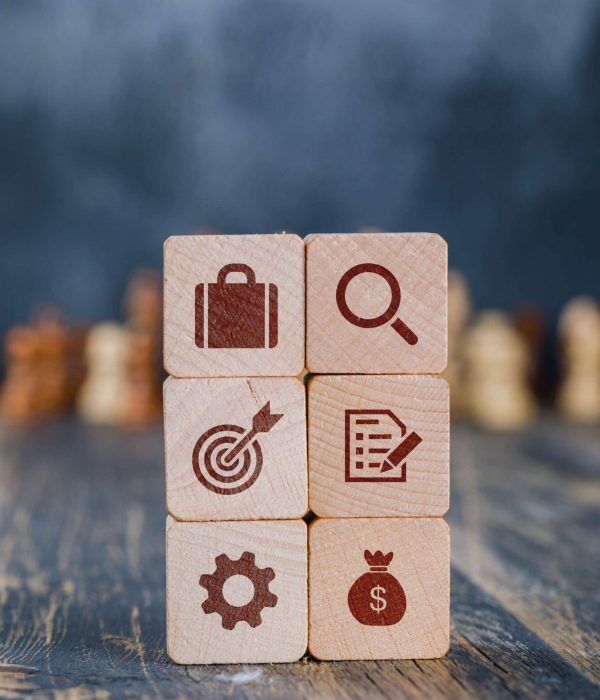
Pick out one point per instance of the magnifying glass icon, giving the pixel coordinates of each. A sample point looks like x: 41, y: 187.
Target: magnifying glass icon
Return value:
x: 398, y: 325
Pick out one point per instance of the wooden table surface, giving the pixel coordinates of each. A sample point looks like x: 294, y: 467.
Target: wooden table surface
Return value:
x: 82, y: 583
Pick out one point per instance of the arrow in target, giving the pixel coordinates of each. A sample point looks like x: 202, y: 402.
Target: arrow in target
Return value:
x: 262, y: 422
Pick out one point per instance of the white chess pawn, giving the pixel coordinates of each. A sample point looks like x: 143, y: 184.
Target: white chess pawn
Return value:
x: 579, y: 330
x: 496, y: 364
x: 101, y: 397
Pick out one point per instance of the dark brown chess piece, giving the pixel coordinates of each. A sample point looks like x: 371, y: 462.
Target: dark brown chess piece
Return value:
x: 142, y: 392
x: 52, y: 364
x: 529, y: 322
x: 142, y: 398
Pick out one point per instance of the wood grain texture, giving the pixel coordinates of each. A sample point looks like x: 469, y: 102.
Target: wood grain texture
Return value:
x: 82, y: 575
x: 418, y: 262
x: 418, y: 401
x: 275, y: 259
x: 195, y: 406
x: 421, y: 565
x: 279, y: 631
x: 535, y: 551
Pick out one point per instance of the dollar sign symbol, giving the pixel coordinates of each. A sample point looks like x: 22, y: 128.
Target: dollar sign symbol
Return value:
x: 380, y: 604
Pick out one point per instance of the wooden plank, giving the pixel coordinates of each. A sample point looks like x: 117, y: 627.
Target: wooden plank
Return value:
x: 379, y: 445
x: 376, y: 303
x: 523, y: 533
x: 234, y: 305
x: 573, y: 447
x: 82, y: 580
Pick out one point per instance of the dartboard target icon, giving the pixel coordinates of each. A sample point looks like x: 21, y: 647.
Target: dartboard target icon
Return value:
x: 227, y: 459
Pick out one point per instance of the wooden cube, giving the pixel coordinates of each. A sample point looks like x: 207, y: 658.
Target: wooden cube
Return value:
x: 235, y: 449
x: 234, y: 305
x: 379, y: 588
x: 376, y: 303
x: 379, y: 445
x: 236, y: 592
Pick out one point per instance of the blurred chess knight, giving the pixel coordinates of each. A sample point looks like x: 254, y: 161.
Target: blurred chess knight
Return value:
x: 496, y: 387
x: 579, y: 331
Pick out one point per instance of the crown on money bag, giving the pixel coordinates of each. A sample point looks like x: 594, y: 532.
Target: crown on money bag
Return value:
x: 378, y: 558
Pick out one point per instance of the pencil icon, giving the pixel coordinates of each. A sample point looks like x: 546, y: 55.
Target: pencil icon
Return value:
x: 399, y: 453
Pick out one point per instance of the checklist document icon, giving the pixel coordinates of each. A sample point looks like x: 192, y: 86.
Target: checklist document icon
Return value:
x: 377, y: 445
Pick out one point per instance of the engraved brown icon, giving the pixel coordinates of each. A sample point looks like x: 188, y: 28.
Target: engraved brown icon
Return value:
x: 232, y: 614
x: 228, y: 459
x: 376, y: 598
x: 236, y: 314
x: 398, y: 324
x: 377, y: 445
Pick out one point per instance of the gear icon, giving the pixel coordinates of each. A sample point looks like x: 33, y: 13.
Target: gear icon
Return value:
x: 232, y: 614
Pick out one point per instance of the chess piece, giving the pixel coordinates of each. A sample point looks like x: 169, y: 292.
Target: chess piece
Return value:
x: 496, y: 367
x: 52, y: 365
x: 34, y: 387
x: 142, y: 395
x: 579, y: 331
x: 529, y: 323
x: 39, y: 384
x: 19, y: 392
x: 459, y: 310
x: 102, y: 393
x: 143, y: 302
x: 76, y: 363
x: 142, y: 398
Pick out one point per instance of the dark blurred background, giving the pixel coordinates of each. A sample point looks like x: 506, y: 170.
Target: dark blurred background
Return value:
x: 124, y: 122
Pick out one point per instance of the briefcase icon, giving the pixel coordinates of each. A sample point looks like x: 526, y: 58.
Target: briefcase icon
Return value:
x: 236, y: 314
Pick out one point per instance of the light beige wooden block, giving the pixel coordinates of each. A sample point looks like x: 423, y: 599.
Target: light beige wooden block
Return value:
x: 379, y: 588
x: 378, y: 445
x: 235, y: 449
x: 236, y: 592
x: 376, y: 303
x: 234, y: 305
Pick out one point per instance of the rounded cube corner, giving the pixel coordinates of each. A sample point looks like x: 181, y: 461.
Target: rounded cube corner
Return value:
x: 443, y: 650
x: 168, y: 244
x: 315, y: 652
x: 293, y: 236
x: 315, y: 380
x: 178, y: 518
x: 172, y: 370
x: 174, y: 657
x: 440, y: 240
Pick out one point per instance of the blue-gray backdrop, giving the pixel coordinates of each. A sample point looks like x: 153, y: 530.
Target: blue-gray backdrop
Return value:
x: 124, y: 121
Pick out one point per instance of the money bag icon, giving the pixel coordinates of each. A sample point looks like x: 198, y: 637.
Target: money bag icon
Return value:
x: 376, y: 598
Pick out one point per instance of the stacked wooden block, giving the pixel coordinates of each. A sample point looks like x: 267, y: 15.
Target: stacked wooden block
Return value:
x: 366, y: 315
